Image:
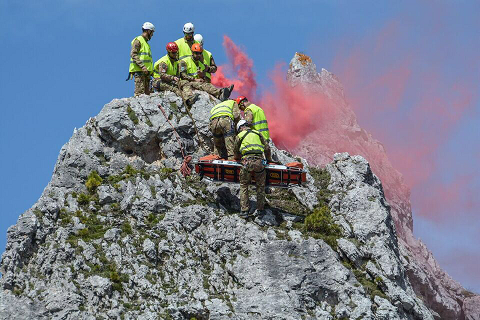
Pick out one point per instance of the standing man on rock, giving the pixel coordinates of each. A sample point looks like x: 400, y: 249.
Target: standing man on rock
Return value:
x: 193, y: 70
x: 141, y: 61
x: 250, y: 146
x: 223, y: 117
x: 185, y: 44
x: 210, y: 66
x: 255, y: 116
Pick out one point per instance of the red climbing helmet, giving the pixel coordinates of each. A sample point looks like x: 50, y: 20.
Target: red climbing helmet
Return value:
x: 172, y: 47
x: 240, y: 99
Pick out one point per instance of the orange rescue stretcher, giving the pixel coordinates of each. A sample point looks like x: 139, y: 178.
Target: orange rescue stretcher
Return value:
x: 217, y: 169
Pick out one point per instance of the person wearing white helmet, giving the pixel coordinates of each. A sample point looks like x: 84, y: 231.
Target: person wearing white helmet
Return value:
x: 141, y: 61
x: 210, y: 66
x: 250, y: 146
x: 184, y: 44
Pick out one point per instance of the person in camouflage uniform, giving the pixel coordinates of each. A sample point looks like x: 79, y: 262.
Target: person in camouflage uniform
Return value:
x: 166, y: 77
x: 141, y: 63
x: 192, y: 70
x: 254, y: 115
x: 223, y: 117
x: 250, y: 146
x: 208, y: 61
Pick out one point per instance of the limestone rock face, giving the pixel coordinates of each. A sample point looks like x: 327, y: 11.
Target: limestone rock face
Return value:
x: 439, y: 291
x: 118, y: 233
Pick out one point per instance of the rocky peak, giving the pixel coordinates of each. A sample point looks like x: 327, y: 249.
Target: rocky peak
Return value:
x: 439, y: 291
x: 118, y: 233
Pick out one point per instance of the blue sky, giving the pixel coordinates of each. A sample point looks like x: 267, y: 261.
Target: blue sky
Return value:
x: 63, y: 60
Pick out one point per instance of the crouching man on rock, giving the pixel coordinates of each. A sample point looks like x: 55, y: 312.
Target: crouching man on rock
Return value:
x: 166, y: 76
x: 250, y: 146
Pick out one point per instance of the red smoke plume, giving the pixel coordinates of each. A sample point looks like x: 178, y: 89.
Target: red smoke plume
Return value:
x: 410, y: 106
x: 240, y: 68
x: 293, y: 113
x: 412, y: 102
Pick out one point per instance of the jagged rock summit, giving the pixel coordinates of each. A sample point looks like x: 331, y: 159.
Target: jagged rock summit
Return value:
x: 438, y: 290
x: 118, y: 233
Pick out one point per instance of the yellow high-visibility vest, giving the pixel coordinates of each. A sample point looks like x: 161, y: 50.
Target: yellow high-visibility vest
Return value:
x: 172, y: 68
x: 224, y: 108
x: 184, y: 49
x: 192, y: 68
x: 251, y: 142
x: 145, y: 55
x: 259, y: 121
x: 207, y: 58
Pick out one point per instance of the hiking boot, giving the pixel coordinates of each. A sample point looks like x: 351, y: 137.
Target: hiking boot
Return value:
x: 221, y: 97
x: 192, y: 100
x: 244, y: 214
x: 259, y: 213
x: 226, y: 93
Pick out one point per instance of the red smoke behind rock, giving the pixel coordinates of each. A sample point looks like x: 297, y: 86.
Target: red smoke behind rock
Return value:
x: 293, y: 113
x: 413, y: 98
x: 240, y: 68
x: 406, y: 98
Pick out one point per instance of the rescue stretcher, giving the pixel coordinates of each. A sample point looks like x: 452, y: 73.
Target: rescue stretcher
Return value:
x: 284, y: 176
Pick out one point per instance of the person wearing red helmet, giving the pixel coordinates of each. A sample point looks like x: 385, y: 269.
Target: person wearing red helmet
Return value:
x: 193, y: 70
x: 254, y: 115
x: 166, y: 76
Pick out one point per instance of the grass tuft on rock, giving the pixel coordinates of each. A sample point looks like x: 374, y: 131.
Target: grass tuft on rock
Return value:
x: 320, y: 225
x: 132, y: 115
x: 93, y: 181
x: 322, y: 179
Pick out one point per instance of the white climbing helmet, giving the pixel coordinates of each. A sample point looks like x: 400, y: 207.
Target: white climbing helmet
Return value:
x: 198, y: 37
x: 241, y: 123
x: 148, y: 26
x: 188, y: 27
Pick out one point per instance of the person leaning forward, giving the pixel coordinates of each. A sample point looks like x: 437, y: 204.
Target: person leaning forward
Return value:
x: 250, y: 146
x: 141, y: 61
x: 192, y: 69
x: 166, y: 75
x: 223, y: 117
x: 255, y: 116
x: 185, y: 44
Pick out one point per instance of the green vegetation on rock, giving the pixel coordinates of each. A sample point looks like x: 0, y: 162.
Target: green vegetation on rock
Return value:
x: 132, y: 115
x: 320, y: 224
x: 93, y: 181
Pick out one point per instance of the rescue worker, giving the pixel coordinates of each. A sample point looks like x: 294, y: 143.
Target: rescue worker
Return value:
x: 193, y: 70
x: 141, y: 61
x: 223, y: 117
x: 166, y: 77
x: 185, y: 44
x: 250, y: 146
x: 210, y: 66
x: 254, y: 115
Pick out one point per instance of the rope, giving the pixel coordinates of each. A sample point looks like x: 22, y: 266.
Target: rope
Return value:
x: 185, y: 168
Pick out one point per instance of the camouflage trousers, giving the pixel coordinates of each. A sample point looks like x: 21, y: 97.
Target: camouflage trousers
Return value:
x: 142, y: 84
x: 159, y: 85
x: 223, y: 131
x: 203, y: 86
x: 252, y: 164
